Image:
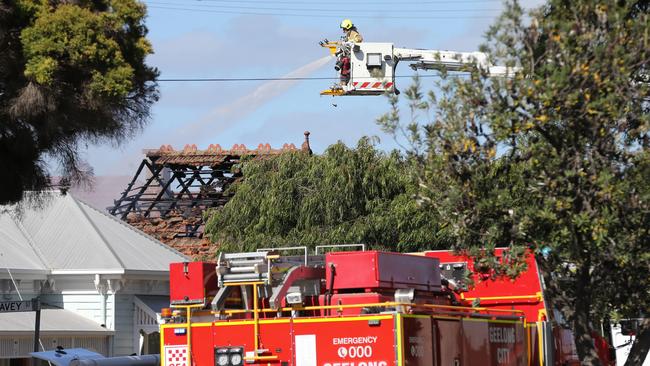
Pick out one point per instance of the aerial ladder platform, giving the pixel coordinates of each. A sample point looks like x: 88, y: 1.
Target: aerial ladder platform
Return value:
x: 373, y: 65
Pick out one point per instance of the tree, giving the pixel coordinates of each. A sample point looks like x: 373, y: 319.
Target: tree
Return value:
x: 554, y: 158
x: 343, y: 196
x: 70, y: 72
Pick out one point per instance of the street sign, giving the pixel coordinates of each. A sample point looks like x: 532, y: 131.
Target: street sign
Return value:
x: 16, y: 306
x: 29, y: 305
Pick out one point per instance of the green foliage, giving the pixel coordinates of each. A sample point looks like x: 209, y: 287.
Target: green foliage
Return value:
x: 70, y: 72
x: 343, y: 196
x: 555, y: 157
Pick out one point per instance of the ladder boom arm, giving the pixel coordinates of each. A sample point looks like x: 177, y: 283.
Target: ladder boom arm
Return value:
x: 450, y: 60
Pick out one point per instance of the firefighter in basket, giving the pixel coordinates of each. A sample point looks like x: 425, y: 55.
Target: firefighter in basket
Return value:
x: 343, y: 62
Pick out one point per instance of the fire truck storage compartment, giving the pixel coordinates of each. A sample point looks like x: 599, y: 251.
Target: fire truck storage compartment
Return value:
x: 370, y: 340
x: 376, y: 270
x: 192, y: 282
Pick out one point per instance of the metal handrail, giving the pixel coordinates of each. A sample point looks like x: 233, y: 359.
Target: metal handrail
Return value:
x: 188, y: 321
x: 363, y: 246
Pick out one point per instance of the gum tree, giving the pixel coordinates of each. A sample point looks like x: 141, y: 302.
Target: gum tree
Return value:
x: 555, y: 158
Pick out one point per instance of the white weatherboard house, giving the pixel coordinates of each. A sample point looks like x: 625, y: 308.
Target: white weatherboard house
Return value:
x: 102, y: 283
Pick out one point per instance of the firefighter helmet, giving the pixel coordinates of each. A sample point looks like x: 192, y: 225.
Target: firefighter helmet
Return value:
x: 347, y: 24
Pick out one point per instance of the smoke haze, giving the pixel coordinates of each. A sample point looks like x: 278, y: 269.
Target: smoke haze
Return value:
x: 227, y: 116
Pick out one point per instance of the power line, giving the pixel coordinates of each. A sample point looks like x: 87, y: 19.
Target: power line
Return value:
x: 285, y: 78
x: 352, y: 3
x: 318, y: 15
x: 245, y: 79
x: 206, y: 6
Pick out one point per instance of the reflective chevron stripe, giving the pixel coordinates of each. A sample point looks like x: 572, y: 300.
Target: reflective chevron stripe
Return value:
x: 368, y: 85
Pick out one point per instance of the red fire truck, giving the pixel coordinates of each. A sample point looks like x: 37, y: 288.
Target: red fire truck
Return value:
x: 355, y: 308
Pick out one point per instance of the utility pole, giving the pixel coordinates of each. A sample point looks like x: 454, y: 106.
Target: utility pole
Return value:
x: 36, y: 306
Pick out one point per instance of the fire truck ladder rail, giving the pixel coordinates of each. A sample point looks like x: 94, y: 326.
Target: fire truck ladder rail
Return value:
x: 537, y: 297
x: 302, y: 248
x: 457, y: 311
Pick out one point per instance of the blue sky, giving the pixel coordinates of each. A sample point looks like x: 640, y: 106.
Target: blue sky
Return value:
x: 222, y: 39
